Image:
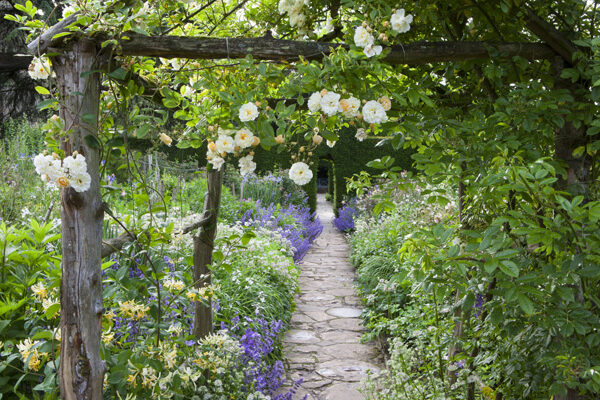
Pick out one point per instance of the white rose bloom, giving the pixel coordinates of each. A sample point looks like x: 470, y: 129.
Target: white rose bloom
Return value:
x: 39, y: 162
x: 217, y: 162
x: 247, y: 166
x: 300, y: 173
x: 400, y: 22
x: 362, y: 37
x: 81, y: 182
x: 330, y: 103
x: 314, y: 102
x: 285, y: 6
x: 297, y: 19
x: 49, y: 168
x: 224, y: 144
x: 371, y: 50
x: 331, y: 143
x: 361, y: 134
x: 75, y: 165
x: 373, y: 112
x: 39, y: 68
x: 244, y: 138
x: 248, y: 112
x: 350, y: 107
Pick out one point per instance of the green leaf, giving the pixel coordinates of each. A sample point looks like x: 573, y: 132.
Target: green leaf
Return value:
x: 509, y: 268
x: 51, y: 311
x: 119, y: 74
x: 490, y: 265
x: 61, y: 34
x: 42, y: 90
x: 92, y: 141
x: 525, y: 304
x: 48, y: 103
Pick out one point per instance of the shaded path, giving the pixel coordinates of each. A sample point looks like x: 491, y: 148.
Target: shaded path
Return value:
x: 323, y: 345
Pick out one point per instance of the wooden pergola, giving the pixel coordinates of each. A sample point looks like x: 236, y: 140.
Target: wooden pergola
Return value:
x: 81, y: 368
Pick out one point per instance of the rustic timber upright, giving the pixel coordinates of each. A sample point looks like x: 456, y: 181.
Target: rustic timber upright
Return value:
x: 77, y: 67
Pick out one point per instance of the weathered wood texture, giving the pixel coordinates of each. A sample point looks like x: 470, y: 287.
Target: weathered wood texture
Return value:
x: 41, y: 43
x: 81, y: 368
x: 290, y: 50
x: 203, y: 248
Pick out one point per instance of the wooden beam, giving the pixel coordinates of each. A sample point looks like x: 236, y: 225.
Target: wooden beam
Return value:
x: 10, y: 62
x: 549, y: 34
x: 42, y: 42
x: 291, y: 50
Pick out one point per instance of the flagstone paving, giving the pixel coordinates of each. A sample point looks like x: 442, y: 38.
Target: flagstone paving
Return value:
x: 323, y: 345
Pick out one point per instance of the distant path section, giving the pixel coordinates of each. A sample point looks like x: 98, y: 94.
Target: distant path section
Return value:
x: 323, y: 345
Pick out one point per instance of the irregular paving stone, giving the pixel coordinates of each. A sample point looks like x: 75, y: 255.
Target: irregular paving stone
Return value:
x: 300, y: 336
x: 346, y: 370
x: 344, y: 312
x: 350, y: 324
x: 343, y: 391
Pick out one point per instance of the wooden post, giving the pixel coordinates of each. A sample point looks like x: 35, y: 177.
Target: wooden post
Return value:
x: 203, y: 247
x: 81, y: 368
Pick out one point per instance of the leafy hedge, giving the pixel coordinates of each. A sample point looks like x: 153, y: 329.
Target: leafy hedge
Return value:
x: 348, y: 157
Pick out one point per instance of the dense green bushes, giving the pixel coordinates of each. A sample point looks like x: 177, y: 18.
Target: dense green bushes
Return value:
x: 504, y: 307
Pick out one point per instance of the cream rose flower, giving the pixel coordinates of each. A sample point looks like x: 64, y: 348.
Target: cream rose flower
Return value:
x: 361, y: 134
x: 362, y: 37
x: 248, y: 112
x: 401, y: 22
x: 224, y: 144
x: 371, y: 50
x: 244, y: 138
x: 247, y: 166
x: 300, y: 173
x: 373, y: 112
x: 330, y: 103
x: 314, y: 102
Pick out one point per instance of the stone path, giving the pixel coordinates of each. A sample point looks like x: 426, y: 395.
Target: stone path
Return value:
x: 323, y: 345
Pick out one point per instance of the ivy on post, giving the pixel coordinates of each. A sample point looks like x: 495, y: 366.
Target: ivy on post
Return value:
x: 81, y: 368
x: 203, y: 248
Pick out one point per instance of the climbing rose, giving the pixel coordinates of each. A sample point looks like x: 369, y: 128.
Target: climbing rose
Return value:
x: 216, y: 161
x: 371, y: 50
x: 81, y: 182
x: 350, y: 107
x: 224, y: 144
x: 39, y: 68
x: 247, y: 166
x: 362, y: 37
x: 244, y: 138
x: 385, y: 102
x: 75, y: 165
x: 400, y: 22
x: 373, y: 112
x: 248, y: 112
x: 361, y: 134
x: 166, y: 139
x: 330, y: 103
x: 331, y: 143
x: 314, y: 102
x: 300, y: 173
